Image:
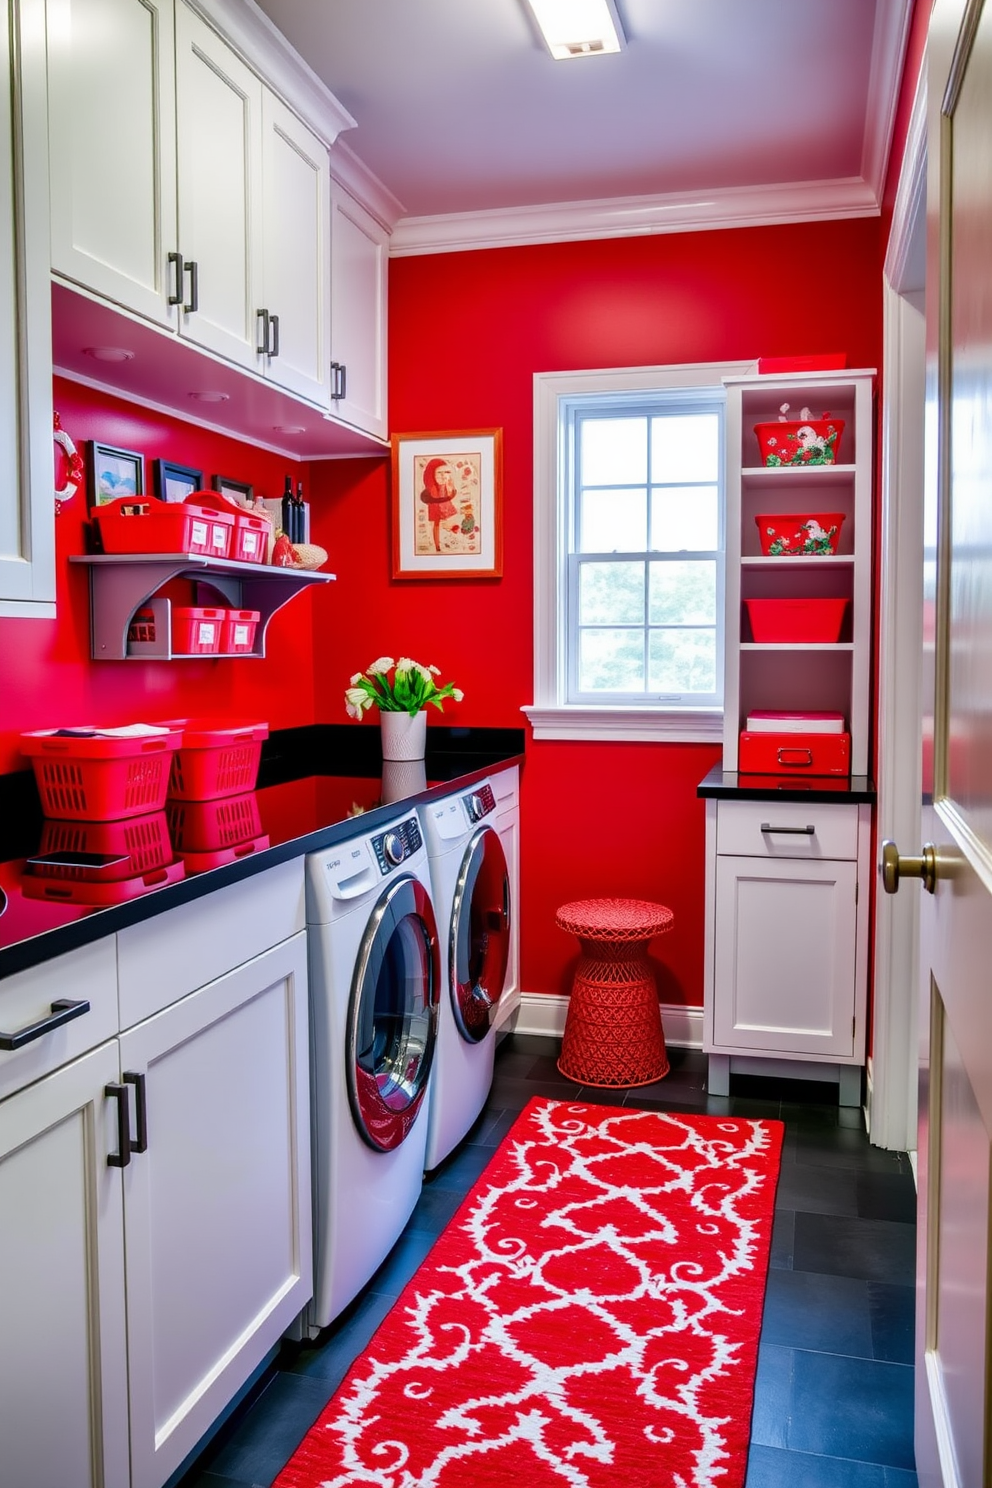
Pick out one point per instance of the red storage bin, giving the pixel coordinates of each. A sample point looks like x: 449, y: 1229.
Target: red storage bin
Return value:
x: 251, y: 533
x: 813, y: 442
x: 196, y: 631
x: 237, y: 635
x: 100, y: 779
x: 140, y: 525
x: 217, y: 758
x: 209, y: 834
x: 799, y: 534
x: 794, y: 754
x: 813, y: 621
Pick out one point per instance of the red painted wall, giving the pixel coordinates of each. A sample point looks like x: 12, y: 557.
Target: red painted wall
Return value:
x: 467, y: 333
x: 46, y: 676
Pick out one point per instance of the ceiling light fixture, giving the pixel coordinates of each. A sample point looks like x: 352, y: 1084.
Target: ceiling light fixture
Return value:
x: 578, y: 28
x: 207, y: 395
x: 109, y: 353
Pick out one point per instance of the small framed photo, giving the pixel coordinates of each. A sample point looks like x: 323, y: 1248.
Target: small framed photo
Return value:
x: 447, y: 505
x: 239, y: 491
x: 175, y: 482
x: 114, y: 473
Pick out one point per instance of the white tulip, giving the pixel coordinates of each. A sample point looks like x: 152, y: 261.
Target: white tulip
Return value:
x: 378, y: 668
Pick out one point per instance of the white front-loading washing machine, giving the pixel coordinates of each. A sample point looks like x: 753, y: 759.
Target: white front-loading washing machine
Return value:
x: 374, y: 992
x: 470, y: 885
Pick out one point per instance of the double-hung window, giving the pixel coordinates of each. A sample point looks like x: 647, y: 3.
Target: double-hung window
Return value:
x: 629, y: 553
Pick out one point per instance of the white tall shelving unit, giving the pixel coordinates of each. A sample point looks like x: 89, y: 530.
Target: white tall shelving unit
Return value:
x: 789, y: 856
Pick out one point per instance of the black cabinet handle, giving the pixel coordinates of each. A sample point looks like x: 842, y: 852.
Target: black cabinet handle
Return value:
x: 262, y: 345
x: 122, y: 1156
x: 789, y: 831
x: 140, y: 1142
x: 273, y: 347
x: 342, y: 379
x: 176, y: 297
x: 63, y: 1011
x: 193, y: 304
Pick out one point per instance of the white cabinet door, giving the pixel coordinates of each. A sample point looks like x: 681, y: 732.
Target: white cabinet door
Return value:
x: 27, y: 515
x: 217, y: 1208
x: 296, y: 279
x: 113, y: 149
x: 359, y: 269
x: 219, y: 121
x: 785, y: 946
x: 63, y: 1360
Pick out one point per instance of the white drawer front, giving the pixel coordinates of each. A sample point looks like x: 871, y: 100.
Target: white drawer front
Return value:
x: 779, y: 829
x: 163, y: 958
x: 87, y: 975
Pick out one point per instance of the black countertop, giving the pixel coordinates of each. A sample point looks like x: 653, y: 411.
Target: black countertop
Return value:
x: 729, y: 785
x: 313, y: 784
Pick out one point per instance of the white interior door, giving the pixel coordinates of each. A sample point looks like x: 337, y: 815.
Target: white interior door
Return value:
x: 953, y: 1439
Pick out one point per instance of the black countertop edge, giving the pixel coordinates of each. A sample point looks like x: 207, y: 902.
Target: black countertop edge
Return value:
x: 729, y: 785
x: 454, y: 761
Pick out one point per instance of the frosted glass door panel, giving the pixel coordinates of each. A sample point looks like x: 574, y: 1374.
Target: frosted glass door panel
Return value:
x: 785, y: 956
x: 296, y: 279
x: 219, y: 104
x: 113, y: 162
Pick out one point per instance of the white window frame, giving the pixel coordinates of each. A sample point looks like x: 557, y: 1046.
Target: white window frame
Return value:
x: 550, y: 716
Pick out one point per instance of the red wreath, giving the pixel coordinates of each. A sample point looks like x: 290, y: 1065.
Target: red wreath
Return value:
x: 73, y: 465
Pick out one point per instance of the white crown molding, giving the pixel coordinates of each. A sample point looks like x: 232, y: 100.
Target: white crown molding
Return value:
x: 888, y: 51
x: 262, y: 45
x: 356, y: 178
x: 631, y: 216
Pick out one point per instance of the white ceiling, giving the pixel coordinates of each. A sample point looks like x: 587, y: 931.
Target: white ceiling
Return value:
x: 460, y: 109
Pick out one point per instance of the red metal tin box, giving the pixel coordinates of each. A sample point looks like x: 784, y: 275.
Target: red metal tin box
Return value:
x: 794, y: 754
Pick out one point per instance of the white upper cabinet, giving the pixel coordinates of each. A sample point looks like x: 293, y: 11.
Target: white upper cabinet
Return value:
x: 186, y: 191
x: 112, y: 103
x: 359, y: 265
x: 219, y: 122
x: 27, y: 513
x: 295, y: 296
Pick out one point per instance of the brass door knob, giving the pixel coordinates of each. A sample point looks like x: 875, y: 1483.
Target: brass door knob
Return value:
x: 895, y: 867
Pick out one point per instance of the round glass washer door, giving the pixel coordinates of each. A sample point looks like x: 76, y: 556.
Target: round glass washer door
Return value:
x: 479, y: 943
x: 392, y: 1015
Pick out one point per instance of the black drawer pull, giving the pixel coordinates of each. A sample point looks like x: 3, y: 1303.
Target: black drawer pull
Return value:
x: 262, y: 345
x: 176, y: 261
x: 63, y: 1011
x: 140, y: 1142
x: 122, y: 1156
x: 192, y: 268
x: 789, y: 831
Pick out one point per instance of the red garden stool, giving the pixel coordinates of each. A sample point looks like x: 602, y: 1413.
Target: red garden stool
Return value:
x: 613, y: 1034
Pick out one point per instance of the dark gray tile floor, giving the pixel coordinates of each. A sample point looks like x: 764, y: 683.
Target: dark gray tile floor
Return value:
x: 833, y: 1403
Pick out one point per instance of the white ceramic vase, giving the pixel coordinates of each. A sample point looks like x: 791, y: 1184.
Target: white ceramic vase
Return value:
x: 402, y: 779
x: 404, y: 735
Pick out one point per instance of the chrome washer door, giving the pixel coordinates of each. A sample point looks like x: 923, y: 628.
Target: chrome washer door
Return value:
x: 392, y: 1015
x: 479, y: 944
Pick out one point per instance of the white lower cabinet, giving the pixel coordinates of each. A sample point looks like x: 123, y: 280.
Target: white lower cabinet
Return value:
x: 63, y: 1355
x: 786, y: 970
x: 217, y: 1208
x: 155, y: 1212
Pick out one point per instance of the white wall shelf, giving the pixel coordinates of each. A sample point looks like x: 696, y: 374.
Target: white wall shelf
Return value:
x: 121, y: 583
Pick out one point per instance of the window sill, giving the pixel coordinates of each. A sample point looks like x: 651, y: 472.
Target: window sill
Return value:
x: 627, y: 725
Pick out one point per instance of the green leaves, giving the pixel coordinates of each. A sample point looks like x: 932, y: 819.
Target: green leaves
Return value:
x: 405, y: 687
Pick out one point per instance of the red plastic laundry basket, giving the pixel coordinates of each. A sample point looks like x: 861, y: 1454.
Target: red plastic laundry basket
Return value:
x: 99, y: 779
x: 217, y: 758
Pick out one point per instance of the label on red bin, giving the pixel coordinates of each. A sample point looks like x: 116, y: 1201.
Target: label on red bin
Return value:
x: 241, y: 635
x: 205, y: 632
x: 249, y: 541
x: 199, y: 533
x: 219, y: 538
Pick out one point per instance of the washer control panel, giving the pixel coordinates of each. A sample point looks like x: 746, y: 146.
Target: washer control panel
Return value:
x: 480, y: 802
x: 398, y: 843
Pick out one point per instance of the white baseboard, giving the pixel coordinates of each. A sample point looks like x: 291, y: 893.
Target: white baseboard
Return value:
x: 541, y: 1013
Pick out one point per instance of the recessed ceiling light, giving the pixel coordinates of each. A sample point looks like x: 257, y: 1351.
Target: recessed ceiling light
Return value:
x: 289, y: 428
x: 578, y: 28
x: 211, y: 397
x: 109, y: 353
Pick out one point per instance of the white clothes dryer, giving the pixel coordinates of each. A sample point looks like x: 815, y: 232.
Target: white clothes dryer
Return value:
x: 470, y: 885
x: 374, y: 991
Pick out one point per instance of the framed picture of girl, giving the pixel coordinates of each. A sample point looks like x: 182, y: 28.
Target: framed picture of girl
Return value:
x: 447, y: 505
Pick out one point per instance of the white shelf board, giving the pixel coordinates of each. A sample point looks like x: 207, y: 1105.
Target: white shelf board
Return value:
x: 826, y: 560
x: 769, y: 476
x: 797, y: 646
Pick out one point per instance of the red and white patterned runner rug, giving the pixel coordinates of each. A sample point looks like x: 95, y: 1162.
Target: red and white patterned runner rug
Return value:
x: 589, y: 1319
